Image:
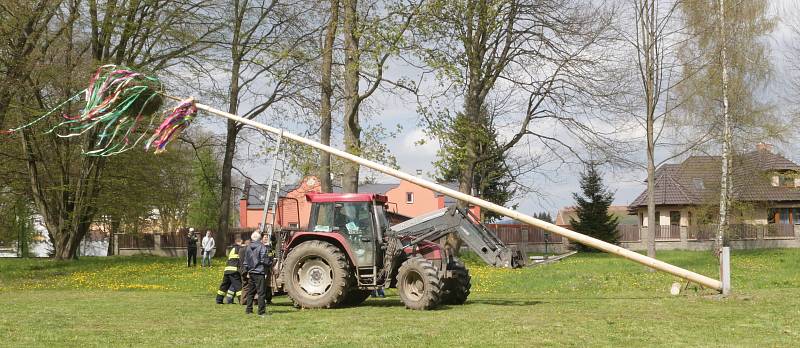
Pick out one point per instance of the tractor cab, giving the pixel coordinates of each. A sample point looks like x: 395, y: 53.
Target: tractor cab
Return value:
x: 358, y: 218
x: 354, y: 221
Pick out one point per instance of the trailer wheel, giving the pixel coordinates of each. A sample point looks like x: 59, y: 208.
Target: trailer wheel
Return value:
x: 455, y: 289
x: 356, y: 297
x: 316, y: 275
x: 418, y: 284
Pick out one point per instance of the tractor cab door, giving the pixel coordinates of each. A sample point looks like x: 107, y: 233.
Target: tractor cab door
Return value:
x: 354, y: 221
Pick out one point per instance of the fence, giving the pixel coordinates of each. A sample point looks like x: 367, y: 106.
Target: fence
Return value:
x: 695, y: 237
x: 518, y: 234
x: 135, y: 241
x: 668, y: 232
x: 629, y: 233
x: 173, y: 243
x: 779, y: 231
x: 743, y: 231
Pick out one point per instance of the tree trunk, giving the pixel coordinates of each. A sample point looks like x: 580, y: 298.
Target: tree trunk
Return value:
x: 649, y: 45
x: 324, y: 174
x: 352, y: 127
x: 232, y: 129
x: 5, y: 100
x: 725, y: 180
x: 650, y: 238
x: 227, y: 167
x: 113, y: 229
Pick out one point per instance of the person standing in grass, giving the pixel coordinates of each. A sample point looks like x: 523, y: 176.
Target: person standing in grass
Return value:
x: 231, y: 284
x: 191, y: 248
x: 245, y: 277
x: 256, y: 265
x: 208, y: 247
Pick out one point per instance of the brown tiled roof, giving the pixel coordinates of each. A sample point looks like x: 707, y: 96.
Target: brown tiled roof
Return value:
x: 696, y: 180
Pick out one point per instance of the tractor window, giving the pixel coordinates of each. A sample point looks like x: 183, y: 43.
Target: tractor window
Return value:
x: 381, y: 214
x: 322, y: 217
x: 354, y: 218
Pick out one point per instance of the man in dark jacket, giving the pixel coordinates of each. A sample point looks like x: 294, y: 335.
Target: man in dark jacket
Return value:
x: 191, y: 248
x: 231, y: 285
x: 243, y: 273
x: 257, y: 265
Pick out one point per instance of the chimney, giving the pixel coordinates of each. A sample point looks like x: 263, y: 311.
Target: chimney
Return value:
x: 762, y: 146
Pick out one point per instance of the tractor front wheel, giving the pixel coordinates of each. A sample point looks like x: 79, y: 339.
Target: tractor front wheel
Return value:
x: 418, y: 284
x: 316, y: 275
x: 456, y: 288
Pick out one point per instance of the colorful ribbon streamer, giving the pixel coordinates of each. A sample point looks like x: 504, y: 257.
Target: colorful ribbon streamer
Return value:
x: 174, y: 123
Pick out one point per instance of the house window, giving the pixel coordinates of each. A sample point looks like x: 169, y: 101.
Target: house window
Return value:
x: 674, y: 218
x: 781, y: 216
x: 409, y: 197
x: 689, y: 219
x: 658, y: 218
x: 786, y: 181
x: 641, y: 219
x: 796, y: 216
x: 699, y: 184
x: 785, y: 216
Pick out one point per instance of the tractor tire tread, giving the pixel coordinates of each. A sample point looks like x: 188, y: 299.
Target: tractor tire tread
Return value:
x: 430, y: 276
x: 456, y: 289
x: 339, y: 264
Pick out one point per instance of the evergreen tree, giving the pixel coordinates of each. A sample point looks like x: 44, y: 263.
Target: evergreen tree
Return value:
x: 492, y: 178
x: 544, y: 216
x: 592, y: 209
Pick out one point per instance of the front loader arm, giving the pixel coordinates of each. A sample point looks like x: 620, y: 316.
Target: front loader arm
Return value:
x: 438, y: 224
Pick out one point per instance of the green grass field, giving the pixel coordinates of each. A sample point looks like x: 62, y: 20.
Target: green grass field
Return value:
x: 585, y: 300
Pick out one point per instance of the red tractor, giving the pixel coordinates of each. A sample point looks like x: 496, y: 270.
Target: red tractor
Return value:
x: 349, y: 250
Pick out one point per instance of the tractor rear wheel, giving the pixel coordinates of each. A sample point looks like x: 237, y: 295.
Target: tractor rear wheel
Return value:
x: 418, y: 284
x: 316, y: 275
x: 455, y: 289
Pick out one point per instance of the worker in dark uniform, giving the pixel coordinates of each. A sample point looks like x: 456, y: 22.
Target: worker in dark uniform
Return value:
x: 245, y: 276
x: 231, y: 286
x: 191, y: 248
x: 256, y: 264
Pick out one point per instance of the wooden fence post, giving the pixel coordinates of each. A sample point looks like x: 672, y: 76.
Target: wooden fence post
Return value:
x: 524, y: 230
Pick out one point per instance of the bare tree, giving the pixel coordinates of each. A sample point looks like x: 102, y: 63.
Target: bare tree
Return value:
x: 726, y: 180
x: 374, y: 38
x: 654, y: 31
x: 730, y: 63
x: 542, y: 57
x: 267, y: 52
x: 148, y: 35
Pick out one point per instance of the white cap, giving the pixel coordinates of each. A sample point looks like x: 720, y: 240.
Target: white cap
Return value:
x: 191, y: 229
